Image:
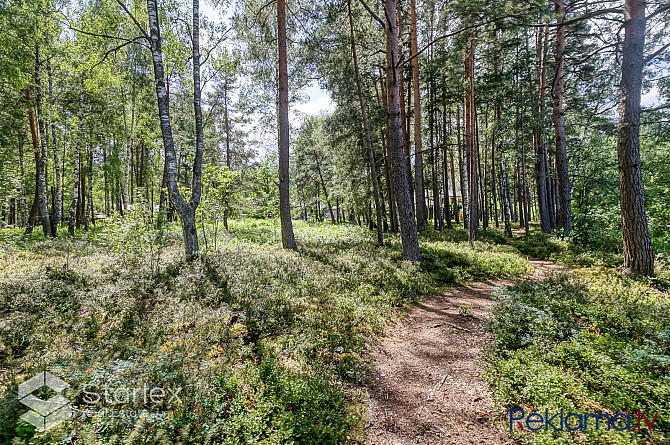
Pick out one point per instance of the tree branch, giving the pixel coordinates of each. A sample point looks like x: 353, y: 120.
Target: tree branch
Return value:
x: 132, y: 17
x: 655, y: 54
x: 372, y: 13
x: 658, y: 108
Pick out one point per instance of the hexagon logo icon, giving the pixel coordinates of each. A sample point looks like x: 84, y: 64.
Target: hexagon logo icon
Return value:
x: 44, y: 414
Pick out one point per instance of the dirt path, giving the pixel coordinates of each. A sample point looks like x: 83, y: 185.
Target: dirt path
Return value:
x: 426, y: 383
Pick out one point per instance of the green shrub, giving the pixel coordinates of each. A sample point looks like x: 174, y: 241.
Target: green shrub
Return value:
x: 262, y: 341
x: 584, y: 343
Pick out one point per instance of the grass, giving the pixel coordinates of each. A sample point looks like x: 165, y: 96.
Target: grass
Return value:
x: 262, y: 345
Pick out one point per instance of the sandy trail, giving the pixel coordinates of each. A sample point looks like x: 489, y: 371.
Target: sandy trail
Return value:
x: 426, y: 381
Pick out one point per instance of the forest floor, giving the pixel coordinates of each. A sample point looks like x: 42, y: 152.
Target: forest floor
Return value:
x: 426, y: 382
x: 339, y: 339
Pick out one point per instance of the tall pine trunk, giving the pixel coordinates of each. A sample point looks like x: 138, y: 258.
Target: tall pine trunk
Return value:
x: 539, y: 145
x: 445, y: 166
x: 42, y: 186
x: 463, y: 170
x: 58, y: 203
x: 227, y: 129
x: 404, y: 116
x: 32, y: 216
x: 90, y: 217
x: 77, y: 162
x: 287, y: 236
x: 637, y: 249
x: 408, y: 231
x: 471, y: 155
x: 421, y: 214
x: 506, y: 198
x: 563, y: 217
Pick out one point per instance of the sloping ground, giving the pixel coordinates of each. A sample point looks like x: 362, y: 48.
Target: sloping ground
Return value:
x: 426, y: 384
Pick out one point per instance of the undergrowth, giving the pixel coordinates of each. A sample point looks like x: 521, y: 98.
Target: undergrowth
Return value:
x: 588, y: 342
x: 260, y: 344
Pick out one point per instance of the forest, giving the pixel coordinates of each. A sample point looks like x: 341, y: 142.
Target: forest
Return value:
x: 336, y: 221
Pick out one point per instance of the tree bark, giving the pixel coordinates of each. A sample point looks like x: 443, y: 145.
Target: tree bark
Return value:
x: 445, y: 166
x: 471, y: 158
x: 185, y: 210
x: 105, y: 178
x: 462, y: 167
x: 563, y: 217
x: 404, y: 116
x: 32, y: 216
x: 77, y: 162
x: 551, y: 201
x: 387, y: 167
x: 539, y: 145
x: 408, y: 232
x: 434, y: 158
x: 507, y: 197
x: 524, y: 179
x: 421, y: 215
x: 42, y: 164
x: 58, y: 204
x: 637, y: 249
x: 453, y: 187
x: 89, y: 215
x: 287, y: 236
x: 227, y: 129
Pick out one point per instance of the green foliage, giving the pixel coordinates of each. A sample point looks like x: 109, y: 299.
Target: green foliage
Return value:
x: 262, y: 342
x: 585, y: 343
x: 547, y: 247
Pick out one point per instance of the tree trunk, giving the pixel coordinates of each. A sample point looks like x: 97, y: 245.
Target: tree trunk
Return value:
x: 185, y: 210
x: 77, y: 162
x: 42, y: 164
x: 637, y: 249
x: 89, y: 199
x: 471, y: 156
x: 453, y: 187
x: 21, y: 208
x: 36, y: 150
x: 507, y: 197
x: 227, y: 129
x: 105, y: 178
x: 563, y: 218
x: 418, y: 154
x: 408, y: 232
x: 58, y: 204
x: 526, y: 198
x: 434, y: 157
x: 551, y: 200
x: 539, y: 145
x: 404, y: 116
x: 389, y: 185
x: 484, y: 204
x: 445, y: 166
x: 462, y: 167
x: 519, y: 195
x: 287, y: 236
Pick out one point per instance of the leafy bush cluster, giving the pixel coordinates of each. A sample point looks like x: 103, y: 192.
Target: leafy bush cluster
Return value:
x: 585, y: 343
x: 550, y: 247
x: 260, y: 343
